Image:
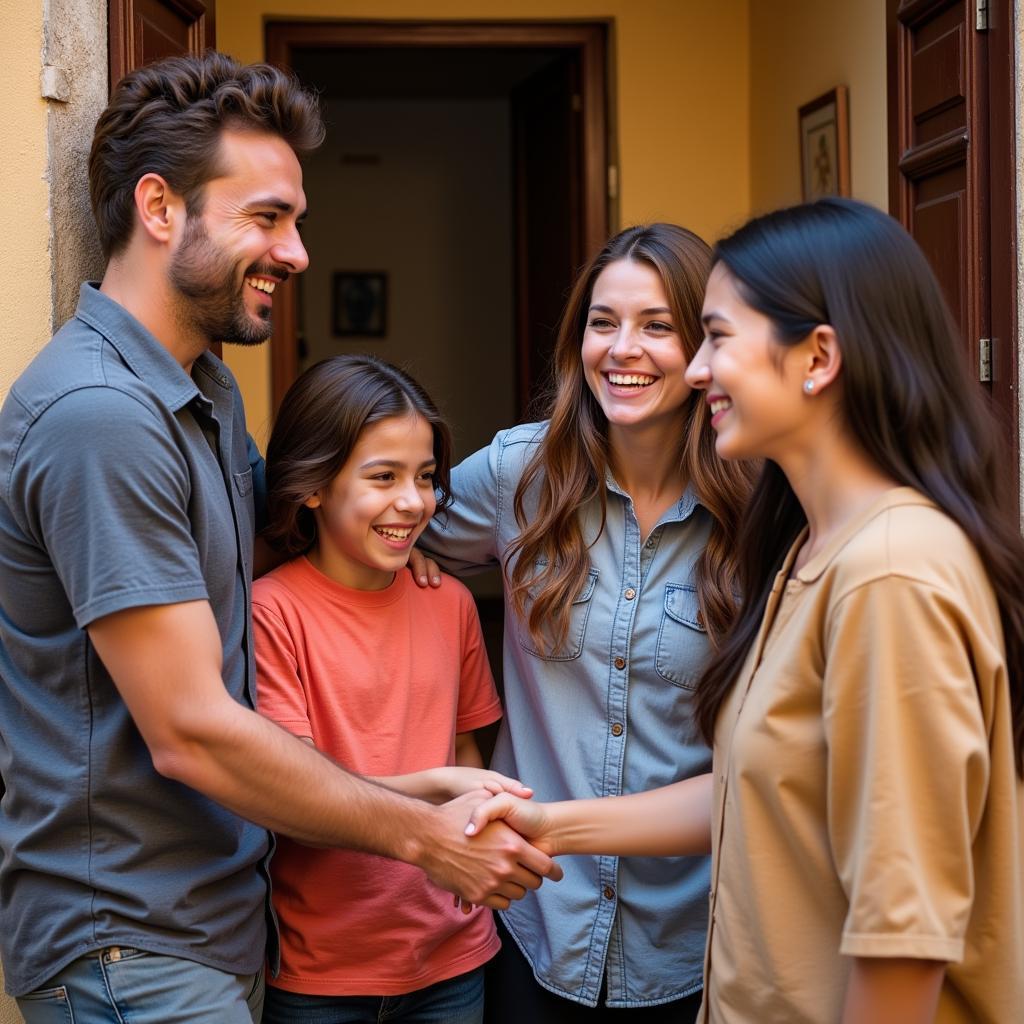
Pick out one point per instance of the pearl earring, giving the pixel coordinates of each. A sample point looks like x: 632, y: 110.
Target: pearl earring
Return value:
x: 808, y: 386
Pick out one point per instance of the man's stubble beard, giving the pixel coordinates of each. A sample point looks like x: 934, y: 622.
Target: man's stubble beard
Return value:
x: 210, y: 302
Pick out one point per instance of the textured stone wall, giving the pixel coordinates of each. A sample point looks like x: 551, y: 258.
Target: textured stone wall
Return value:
x: 75, y: 70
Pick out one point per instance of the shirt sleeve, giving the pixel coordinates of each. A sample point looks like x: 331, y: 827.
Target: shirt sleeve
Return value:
x: 462, y: 538
x: 908, y: 766
x: 101, y: 486
x: 478, y: 696
x: 280, y: 695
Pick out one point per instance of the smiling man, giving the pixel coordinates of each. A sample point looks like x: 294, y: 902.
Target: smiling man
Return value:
x: 140, y: 781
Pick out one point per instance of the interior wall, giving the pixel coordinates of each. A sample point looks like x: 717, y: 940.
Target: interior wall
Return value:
x: 799, y: 49
x: 681, y: 157
x: 419, y: 190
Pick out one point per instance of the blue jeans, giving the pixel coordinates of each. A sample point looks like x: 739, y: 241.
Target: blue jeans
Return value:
x: 121, y: 985
x: 458, y: 1000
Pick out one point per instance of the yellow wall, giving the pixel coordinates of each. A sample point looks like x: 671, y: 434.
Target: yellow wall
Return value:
x: 800, y: 49
x: 24, y: 198
x: 680, y: 88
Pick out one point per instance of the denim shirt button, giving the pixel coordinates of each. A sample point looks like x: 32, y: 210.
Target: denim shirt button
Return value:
x: 629, y: 594
x: 619, y: 663
x: 616, y: 728
x: 609, y: 893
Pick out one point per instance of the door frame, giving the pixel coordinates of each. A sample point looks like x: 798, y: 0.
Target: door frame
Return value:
x: 282, y: 37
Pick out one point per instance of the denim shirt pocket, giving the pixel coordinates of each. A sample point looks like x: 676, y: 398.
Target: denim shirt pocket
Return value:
x: 682, y: 638
x: 243, y: 482
x: 578, y: 615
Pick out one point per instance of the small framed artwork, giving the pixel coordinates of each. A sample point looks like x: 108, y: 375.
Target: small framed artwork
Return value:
x: 359, y: 307
x: 825, y: 145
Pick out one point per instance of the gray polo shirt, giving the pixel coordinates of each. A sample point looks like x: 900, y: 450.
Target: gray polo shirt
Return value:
x: 123, y: 482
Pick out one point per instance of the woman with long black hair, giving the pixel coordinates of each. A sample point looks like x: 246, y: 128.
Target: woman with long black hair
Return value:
x: 867, y: 709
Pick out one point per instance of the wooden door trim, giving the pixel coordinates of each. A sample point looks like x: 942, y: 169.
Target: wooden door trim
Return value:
x: 1002, y: 192
x: 121, y: 31
x: 282, y: 37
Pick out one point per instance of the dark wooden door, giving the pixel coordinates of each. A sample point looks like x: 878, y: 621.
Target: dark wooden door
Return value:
x: 547, y: 154
x: 951, y: 174
x: 140, y: 31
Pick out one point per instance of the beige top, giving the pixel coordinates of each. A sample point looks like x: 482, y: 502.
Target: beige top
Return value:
x: 866, y: 801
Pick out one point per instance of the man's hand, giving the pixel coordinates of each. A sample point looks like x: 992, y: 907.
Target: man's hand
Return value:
x: 492, y: 868
x: 423, y: 568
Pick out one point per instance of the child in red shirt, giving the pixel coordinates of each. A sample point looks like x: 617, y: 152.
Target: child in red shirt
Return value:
x: 387, y: 679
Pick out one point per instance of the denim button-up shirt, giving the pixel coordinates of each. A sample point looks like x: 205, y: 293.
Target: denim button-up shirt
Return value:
x: 608, y: 713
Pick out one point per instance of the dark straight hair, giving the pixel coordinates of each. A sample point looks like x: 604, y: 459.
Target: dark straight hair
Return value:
x: 907, y: 397
x: 319, y: 423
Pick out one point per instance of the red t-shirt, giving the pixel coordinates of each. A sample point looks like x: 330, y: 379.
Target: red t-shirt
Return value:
x: 381, y: 681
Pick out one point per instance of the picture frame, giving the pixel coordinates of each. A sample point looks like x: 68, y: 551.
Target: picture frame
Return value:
x: 825, y: 145
x: 359, y: 304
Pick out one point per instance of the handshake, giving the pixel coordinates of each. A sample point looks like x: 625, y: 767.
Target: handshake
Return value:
x: 490, y: 844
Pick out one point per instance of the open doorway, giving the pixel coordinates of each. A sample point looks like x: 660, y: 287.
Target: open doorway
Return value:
x: 463, y: 182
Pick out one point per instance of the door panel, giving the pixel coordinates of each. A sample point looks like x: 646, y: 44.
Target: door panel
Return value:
x: 936, y: 221
x: 941, y: 129
x: 141, y: 31
x: 950, y: 148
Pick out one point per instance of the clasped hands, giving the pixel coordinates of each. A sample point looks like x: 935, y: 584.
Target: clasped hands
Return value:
x: 501, y: 851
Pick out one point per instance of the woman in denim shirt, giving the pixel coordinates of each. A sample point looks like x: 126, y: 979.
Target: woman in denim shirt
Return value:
x: 615, y: 523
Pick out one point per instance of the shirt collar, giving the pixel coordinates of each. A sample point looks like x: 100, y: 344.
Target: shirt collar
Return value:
x: 820, y: 562
x: 679, y: 512
x: 144, y: 355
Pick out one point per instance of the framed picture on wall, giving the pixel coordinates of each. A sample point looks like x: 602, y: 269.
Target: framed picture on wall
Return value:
x: 359, y: 304
x: 825, y: 145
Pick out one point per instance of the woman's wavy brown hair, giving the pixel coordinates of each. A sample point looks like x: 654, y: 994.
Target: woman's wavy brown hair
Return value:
x: 569, y: 467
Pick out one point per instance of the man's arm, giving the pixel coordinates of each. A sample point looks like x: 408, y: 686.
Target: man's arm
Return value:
x: 166, y: 663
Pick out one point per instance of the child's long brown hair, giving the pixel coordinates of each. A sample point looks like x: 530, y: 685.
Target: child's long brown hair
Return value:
x: 569, y: 467
x: 319, y: 423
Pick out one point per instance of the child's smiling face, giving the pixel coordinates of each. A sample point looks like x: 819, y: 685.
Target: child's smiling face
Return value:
x: 370, y: 515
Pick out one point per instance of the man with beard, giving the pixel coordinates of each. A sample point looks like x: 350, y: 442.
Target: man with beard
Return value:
x: 132, y: 875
